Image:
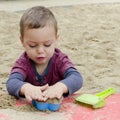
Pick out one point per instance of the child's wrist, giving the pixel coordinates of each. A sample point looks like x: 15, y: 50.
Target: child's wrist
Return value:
x: 23, y: 88
x: 63, y: 87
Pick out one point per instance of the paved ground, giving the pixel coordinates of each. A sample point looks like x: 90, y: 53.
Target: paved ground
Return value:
x: 17, y: 5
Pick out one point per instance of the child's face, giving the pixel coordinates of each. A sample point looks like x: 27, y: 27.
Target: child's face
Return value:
x: 40, y: 44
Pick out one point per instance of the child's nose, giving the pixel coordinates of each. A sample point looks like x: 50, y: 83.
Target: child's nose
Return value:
x: 40, y: 49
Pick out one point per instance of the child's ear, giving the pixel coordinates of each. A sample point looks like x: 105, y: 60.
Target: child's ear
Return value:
x: 57, y: 37
x: 21, y: 39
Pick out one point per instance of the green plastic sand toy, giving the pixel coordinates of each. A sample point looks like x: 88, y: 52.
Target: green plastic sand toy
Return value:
x: 97, y: 100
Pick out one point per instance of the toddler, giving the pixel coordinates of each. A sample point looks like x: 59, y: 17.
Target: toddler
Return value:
x: 43, y: 71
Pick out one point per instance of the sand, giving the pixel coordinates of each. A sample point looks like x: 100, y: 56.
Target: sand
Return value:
x: 89, y: 34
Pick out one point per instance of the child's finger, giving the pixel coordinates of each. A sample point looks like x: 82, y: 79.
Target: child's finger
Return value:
x: 45, y: 98
x: 44, y: 93
x: 42, y: 88
x: 40, y: 98
x: 28, y: 98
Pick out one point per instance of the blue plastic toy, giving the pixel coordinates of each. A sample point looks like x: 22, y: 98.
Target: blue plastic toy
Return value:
x: 43, y: 106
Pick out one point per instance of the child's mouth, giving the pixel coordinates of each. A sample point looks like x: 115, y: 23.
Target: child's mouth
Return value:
x: 40, y: 58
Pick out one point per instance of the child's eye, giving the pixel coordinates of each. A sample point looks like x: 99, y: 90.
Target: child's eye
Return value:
x: 32, y: 46
x: 47, y: 45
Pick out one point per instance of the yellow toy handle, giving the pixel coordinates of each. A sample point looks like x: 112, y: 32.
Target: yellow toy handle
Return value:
x: 105, y: 93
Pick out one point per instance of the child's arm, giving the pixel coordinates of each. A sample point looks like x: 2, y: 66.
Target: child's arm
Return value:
x: 14, y: 84
x: 73, y: 80
x: 71, y: 83
x: 17, y: 87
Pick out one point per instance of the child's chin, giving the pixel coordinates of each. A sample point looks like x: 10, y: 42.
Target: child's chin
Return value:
x: 41, y: 62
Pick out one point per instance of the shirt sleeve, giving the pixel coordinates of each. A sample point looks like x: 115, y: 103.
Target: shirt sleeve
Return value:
x: 73, y: 80
x: 14, y: 84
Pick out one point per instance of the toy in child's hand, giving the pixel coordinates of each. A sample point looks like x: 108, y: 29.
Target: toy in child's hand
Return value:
x: 97, y: 100
x: 50, y: 104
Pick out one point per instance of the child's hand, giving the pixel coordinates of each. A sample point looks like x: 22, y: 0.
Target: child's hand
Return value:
x: 32, y: 92
x: 55, y: 91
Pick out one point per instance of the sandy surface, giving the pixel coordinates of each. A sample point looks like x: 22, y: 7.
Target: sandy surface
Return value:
x: 16, y: 5
x: 89, y: 34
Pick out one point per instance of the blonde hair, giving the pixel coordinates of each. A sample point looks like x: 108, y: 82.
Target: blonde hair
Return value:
x: 37, y: 17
